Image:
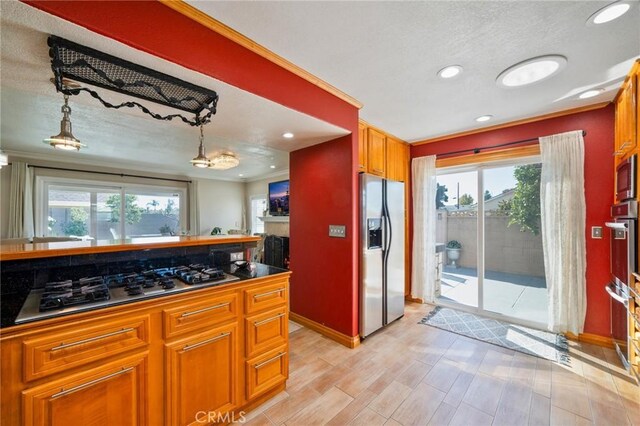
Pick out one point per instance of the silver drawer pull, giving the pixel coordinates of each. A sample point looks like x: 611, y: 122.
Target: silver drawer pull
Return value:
x: 199, y: 311
x: 257, y: 296
x: 268, y: 319
x: 91, y: 383
x: 636, y: 275
x: 91, y: 339
x: 204, y: 342
x: 263, y: 363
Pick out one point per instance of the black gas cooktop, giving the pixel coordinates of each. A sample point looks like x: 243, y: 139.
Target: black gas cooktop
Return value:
x: 67, y: 296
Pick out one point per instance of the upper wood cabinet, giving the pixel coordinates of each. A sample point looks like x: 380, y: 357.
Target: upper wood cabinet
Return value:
x: 626, y: 118
x: 397, y: 159
x: 376, y: 153
x: 362, y: 147
x: 381, y: 154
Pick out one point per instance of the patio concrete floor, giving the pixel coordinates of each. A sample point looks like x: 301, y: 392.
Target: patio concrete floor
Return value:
x: 519, y: 296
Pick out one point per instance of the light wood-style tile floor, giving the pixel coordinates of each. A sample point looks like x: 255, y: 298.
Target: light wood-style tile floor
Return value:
x: 413, y: 374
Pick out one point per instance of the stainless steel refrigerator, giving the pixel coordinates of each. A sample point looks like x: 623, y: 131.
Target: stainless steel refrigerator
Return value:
x: 382, y: 245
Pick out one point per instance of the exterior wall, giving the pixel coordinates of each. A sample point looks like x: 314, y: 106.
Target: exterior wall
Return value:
x: 507, y: 249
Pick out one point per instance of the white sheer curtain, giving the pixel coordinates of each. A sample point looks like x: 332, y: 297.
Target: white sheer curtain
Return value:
x: 20, y: 201
x: 423, y: 271
x: 194, y: 209
x: 563, y: 211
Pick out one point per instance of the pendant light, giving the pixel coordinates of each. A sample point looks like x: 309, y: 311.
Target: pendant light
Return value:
x: 65, y: 139
x: 201, y: 160
x: 224, y: 161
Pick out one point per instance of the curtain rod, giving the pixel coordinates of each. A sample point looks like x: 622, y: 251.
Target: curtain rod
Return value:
x: 106, y: 173
x: 477, y: 150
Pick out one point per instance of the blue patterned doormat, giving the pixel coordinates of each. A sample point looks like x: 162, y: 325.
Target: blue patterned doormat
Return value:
x: 530, y: 341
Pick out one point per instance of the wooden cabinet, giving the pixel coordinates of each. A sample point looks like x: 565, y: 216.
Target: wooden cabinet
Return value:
x: 202, y: 375
x: 362, y: 147
x: 397, y: 160
x: 381, y: 154
x: 376, y: 152
x: 160, y: 361
x: 112, y: 394
x: 626, y: 117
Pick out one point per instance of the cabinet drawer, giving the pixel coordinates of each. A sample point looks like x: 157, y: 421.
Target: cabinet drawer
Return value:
x: 267, y: 371
x: 200, y: 314
x: 266, y: 296
x: 57, y: 351
x: 266, y: 331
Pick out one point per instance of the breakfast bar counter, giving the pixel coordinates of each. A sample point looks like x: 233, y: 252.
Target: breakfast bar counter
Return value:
x: 40, y: 250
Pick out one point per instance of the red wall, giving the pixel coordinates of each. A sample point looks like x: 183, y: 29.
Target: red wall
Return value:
x: 323, y: 188
x: 323, y: 177
x: 598, y: 170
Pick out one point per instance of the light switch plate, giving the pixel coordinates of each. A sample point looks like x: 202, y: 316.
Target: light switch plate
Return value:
x: 338, y: 231
x: 596, y: 232
x: 237, y: 256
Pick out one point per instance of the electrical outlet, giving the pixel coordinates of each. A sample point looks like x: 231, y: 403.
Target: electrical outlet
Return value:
x: 596, y: 232
x: 338, y: 231
x: 237, y: 256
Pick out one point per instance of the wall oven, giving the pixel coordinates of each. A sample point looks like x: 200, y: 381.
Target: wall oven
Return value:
x: 624, y: 239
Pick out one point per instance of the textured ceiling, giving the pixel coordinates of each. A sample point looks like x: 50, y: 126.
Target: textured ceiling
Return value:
x: 245, y: 124
x: 387, y: 54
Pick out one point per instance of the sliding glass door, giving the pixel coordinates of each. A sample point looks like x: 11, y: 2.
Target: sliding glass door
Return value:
x: 492, y: 212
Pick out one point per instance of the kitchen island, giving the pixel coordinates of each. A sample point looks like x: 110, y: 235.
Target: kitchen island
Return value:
x: 202, y: 351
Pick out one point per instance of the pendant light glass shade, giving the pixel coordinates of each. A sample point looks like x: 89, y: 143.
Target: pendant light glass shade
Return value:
x: 201, y: 160
x: 65, y: 139
x: 4, y: 159
x: 224, y: 162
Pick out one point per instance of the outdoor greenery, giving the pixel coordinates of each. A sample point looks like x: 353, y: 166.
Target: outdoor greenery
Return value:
x: 524, y: 208
x: 454, y: 244
x: 132, y: 213
x: 166, y: 230
x: 441, y: 196
x: 466, y: 200
x: 487, y: 195
x: 78, y: 223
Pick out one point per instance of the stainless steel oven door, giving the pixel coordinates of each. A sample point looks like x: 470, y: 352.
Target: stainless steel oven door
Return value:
x: 619, y: 321
x: 623, y: 250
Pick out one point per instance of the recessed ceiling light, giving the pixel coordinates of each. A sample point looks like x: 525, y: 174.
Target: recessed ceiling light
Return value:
x: 272, y: 166
x: 240, y: 175
x: 531, y: 71
x: 609, y: 13
x: 450, y: 71
x: 287, y: 135
x: 590, y: 93
x: 484, y: 118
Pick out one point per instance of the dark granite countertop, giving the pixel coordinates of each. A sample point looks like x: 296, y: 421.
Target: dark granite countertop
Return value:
x: 11, y: 304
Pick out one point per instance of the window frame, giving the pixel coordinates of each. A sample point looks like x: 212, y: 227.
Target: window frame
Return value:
x: 254, y: 219
x: 43, y: 183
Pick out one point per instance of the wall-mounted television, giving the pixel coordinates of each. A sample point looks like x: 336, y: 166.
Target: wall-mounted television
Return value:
x: 279, y: 198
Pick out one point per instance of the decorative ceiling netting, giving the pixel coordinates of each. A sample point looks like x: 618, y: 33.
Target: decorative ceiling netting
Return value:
x: 83, y: 64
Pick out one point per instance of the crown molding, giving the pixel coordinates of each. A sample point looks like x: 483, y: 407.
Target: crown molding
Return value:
x: 513, y: 123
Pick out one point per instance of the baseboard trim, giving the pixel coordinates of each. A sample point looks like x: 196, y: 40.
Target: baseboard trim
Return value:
x: 593, y: 339
x: 343, y: 339
x: 408, y: 298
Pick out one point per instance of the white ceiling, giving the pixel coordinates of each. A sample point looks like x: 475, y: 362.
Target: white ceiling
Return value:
x: 248, y: 125
x: 386, y: 54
